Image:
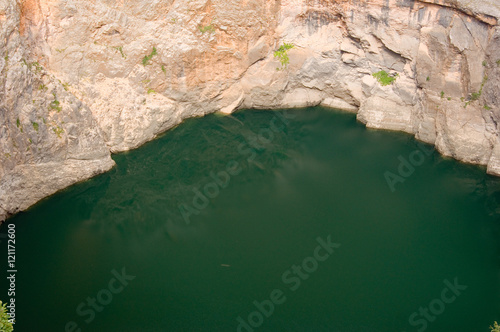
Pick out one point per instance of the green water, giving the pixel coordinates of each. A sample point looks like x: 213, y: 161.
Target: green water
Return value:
x: 313, y: 173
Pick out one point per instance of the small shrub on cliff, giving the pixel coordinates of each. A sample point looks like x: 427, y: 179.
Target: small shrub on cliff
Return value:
x: 5, y: 325
x: 475, y: 96
x: 384, y: 78
x: 282, y: 55
x: 495, y: 328
x: 209, y: 28
x: 120, y: 49
x: 58, y: 131
x: 38, y: 67
x: 19, y: 125
x: 55, y: 105
x: 148, y: 58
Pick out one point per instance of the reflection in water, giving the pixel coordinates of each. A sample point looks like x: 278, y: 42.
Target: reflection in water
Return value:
x: 149, y: 199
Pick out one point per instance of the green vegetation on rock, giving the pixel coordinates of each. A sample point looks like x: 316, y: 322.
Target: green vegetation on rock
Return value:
x: 120, y: 49
x: 58, y: 131
x: 208, y: 28
x: 476, y: 95
x: 5, y: 324
x: 55, y: 105
x: 148, y: 58
x: 282, y: 55
x: 37, y: 66
x: 384, y: 78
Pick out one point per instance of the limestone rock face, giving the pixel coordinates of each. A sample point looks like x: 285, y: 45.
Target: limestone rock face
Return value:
x: 49, y: 139
x: 82, y: 79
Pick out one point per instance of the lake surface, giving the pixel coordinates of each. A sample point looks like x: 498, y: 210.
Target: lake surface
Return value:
x: 265, y: 221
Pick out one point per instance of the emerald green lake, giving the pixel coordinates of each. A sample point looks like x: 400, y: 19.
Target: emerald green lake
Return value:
x: 223, y: 224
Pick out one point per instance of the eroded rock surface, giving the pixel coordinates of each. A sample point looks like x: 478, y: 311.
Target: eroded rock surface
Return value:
x: 81, y: 79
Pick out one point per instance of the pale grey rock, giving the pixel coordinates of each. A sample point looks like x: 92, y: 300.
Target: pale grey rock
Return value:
x: 27, y: 184
x: 382, y: 113
x: 48, y: 138
x: 462, y: 135
x: 460, y: 35
x: 302, y: 98
x: 258, y: 51
x: 487, y: 11
x: 494, y: 162
x: 340, y: 104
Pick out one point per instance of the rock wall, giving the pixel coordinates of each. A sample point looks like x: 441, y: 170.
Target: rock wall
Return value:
x: 49, y: 139
x: 81, y: 79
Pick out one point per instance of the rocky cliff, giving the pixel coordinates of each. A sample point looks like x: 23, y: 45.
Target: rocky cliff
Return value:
x: 83, y: 79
